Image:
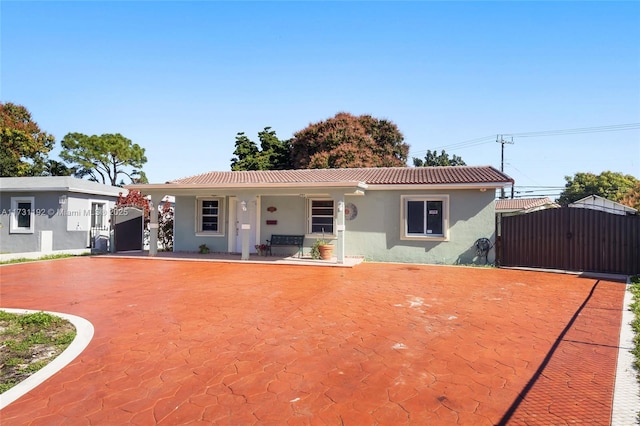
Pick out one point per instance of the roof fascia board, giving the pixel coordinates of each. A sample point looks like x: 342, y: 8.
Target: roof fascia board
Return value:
x: 261, y: 185
x: 359, y: 185
x: 404, y: 187
x: 64, y: 189
x: 37, y: 189
x: 97, y: 192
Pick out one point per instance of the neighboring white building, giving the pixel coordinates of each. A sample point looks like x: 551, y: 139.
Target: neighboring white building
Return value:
x: 595, y: 202
x: 511, y: 206
x: 54, y: 214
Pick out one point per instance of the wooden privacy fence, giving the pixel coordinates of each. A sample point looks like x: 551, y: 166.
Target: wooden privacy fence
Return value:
x: 571, y: 239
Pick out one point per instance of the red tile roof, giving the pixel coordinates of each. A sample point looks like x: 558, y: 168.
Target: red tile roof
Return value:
x: 522, y: 203
x: 371, y: 176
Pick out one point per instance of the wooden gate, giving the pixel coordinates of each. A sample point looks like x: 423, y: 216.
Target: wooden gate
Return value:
x: 571, y: 239
x: 128, y: 225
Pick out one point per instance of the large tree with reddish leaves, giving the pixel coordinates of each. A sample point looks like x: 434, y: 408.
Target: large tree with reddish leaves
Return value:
x: 348, y: 141
x: 134, y: 198
x: 25, y: 148
x: 632, y: 197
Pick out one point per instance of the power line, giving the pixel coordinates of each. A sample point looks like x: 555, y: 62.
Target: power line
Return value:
x: 530, y: 191
x: 580, y: 130
x: 561, y: 132
x: 459, y: 145
x: 556, y: 195
x: 539, y: 187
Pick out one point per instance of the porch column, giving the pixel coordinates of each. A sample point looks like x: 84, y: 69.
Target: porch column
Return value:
x: 245, y: 206
x: 153, y: 223
x: 340, y: 227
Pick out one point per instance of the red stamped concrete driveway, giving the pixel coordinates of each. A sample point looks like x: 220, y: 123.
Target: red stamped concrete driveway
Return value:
x: 179, y: 342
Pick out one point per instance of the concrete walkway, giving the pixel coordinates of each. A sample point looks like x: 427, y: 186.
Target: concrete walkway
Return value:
x: 233, y: 343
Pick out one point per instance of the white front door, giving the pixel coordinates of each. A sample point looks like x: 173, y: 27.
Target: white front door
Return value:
x: 241, y: 216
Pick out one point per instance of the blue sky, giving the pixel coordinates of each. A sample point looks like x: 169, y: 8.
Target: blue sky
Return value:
x: 182, y: 78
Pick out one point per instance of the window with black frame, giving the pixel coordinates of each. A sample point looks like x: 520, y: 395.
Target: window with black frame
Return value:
x: 321, y: 216
x: 425, y: 217
x: 22, y: 215
x: 209, y: 216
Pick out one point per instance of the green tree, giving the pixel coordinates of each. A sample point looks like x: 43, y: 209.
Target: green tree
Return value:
x: 273, y: 153
x: 247, y: 154
x: 24, y: 147
x: 58, y: 168
x: 433, y: 159
x: 349, y: 141
x: 103, y: 158
x: 277, y: 152
x: 611, y: 185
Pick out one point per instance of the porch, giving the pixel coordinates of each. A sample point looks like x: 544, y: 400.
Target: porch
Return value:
x: 349, y: 261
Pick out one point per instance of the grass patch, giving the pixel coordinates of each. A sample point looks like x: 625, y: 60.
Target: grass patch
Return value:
x: 47, y: 257
x: 635, y: 324
x: 28, y: 342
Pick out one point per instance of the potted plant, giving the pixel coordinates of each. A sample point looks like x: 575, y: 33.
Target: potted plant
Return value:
x: 322, y: 249
x: 261, y: 249
x: 203, y: 249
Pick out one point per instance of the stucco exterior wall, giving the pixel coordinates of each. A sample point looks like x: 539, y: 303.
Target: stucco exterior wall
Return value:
x: 184, y: 234
x: 376, y: 231
x: 289, y: 215
x: 290, y: 219
x: 51, y: 219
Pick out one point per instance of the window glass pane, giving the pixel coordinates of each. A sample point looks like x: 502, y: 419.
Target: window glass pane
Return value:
x: 322, y: 224
x: 210, y: 207
x: 323, y: 212
x: 24, y: 215
x: 322, y: 203
x: 415, y: 217
x: 434, y: 217
x: 210, y: 223
x: 97, y: 212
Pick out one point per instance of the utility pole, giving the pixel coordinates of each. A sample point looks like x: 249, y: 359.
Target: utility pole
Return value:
x: 501, y: 141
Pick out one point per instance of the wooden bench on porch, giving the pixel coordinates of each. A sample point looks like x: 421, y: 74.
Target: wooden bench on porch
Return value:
x: 286, y: 240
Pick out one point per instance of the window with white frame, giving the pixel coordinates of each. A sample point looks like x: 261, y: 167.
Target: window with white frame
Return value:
x: 22, y: 219
x: 321, y: 216
x: 425, y: 217
x: 209, y: 212
x: 98, y: 212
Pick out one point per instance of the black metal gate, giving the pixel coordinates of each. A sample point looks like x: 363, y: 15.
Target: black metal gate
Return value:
x: 128, y: 225
x: 572, y: 239
x: 99, y: 239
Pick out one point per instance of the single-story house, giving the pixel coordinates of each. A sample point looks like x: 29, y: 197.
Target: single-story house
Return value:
x: 596, y: 202
x: 399, y: 214
x: 54, y: 214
